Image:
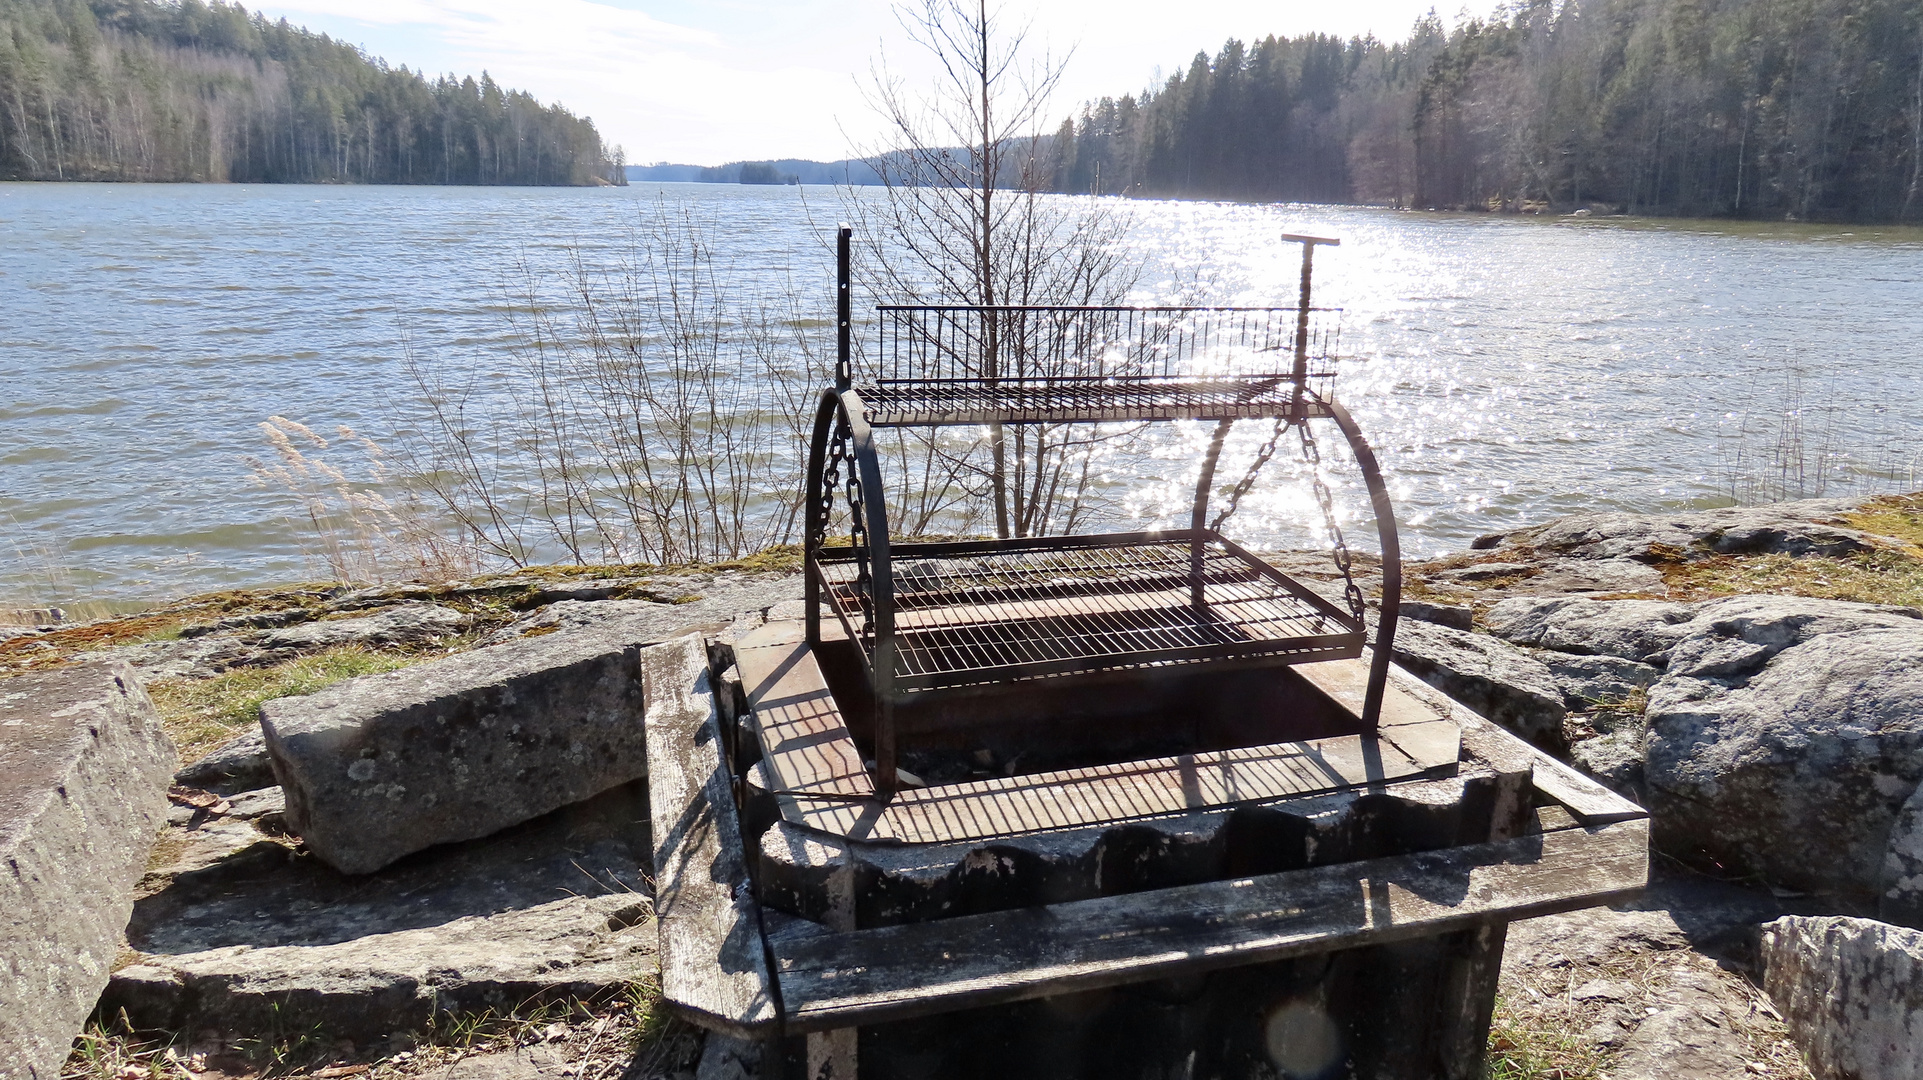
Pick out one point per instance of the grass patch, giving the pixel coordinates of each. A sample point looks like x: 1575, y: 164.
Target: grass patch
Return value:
x: 201, y: 714
x: 1876, y: 577
x: 1518, y: 1051
x: 1898, y: 517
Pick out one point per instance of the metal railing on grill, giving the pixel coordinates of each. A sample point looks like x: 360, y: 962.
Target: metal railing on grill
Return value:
x: 963, y: 364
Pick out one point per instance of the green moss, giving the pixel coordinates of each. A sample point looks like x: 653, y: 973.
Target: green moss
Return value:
x: 1897, y: 517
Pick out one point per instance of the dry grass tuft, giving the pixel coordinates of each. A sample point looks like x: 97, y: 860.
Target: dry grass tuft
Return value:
x: 1519, y: 1050
x: 368, y: 531
x: 1876, y: 577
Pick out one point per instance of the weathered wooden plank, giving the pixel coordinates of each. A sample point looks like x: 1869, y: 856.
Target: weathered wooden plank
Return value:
x: 1589, y: 801
x: 890, y: 973
x: 802, y: 732
x: 1346, y: 682
x: 713, y: 960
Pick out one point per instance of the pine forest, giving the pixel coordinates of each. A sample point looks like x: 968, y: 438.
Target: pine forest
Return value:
x: 193, y: 91
x: 1801, y: 109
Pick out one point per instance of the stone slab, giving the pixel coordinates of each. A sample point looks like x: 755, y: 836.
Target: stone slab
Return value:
x: 84, y: 767
x: 558, y: 907
x: 384, y: 765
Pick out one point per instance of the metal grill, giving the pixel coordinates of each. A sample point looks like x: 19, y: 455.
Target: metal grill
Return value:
x: 973, y: 364
x: 985, y: 611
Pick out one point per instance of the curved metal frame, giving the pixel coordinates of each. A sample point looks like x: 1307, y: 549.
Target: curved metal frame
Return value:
x: 839, y: 413
x: 1386, y: 534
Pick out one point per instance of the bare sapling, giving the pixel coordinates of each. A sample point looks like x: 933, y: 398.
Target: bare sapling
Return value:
x: 964, y: 217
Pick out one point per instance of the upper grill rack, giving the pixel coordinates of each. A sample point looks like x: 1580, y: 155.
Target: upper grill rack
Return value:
x: 963, y: 364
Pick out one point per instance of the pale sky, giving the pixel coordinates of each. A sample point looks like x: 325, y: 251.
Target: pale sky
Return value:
x: 707, y: 81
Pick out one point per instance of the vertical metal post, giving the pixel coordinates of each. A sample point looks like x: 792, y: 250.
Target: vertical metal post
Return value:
x: 1301, y: 373
x: 844, y: 363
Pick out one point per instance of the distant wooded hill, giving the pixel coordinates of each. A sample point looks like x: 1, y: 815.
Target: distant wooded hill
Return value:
x: 1810, y: 109
x: 782, y: 171
x: 184, y: 91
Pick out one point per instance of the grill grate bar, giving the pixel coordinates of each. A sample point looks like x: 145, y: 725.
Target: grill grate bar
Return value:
x: 962, y: 615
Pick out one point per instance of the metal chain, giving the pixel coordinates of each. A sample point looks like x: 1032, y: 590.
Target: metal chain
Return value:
x: 1243, y: 485
x: 831, y: 479
x: 1351, y: 592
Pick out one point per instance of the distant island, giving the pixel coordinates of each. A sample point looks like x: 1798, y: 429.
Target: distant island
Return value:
x: 779, y: 171
x: 191, y: 91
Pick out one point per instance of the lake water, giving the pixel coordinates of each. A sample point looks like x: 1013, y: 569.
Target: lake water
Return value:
x: 1512, y: 369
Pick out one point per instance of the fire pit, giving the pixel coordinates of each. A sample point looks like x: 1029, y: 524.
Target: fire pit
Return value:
x: 1133, y: 804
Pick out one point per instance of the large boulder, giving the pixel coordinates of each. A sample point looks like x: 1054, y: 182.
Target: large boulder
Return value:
x: 384, y: 765
x: 84, y: 767
x: 1731, y: 639
x: 1798, y: 770
x: 1851, y: 991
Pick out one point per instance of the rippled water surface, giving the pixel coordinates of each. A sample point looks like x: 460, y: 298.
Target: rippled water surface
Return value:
x: 1509, y: 370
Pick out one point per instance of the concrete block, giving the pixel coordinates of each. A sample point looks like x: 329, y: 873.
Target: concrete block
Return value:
x: 1851, y: 991
x: 455, y: 749
x: 84, y: 768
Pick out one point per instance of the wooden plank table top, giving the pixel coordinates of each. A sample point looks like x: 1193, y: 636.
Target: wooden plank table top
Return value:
x: 832, y: 980
x: 811, y: 762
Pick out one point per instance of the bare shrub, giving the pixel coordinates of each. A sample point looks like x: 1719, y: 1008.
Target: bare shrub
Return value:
x: 964, y: 217
x: 657, y: 416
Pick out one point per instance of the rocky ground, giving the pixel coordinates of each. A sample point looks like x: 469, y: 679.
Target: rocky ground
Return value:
x: 1687, y: 659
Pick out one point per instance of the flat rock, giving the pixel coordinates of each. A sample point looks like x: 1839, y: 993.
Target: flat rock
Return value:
x: 407, y: 624
x: 84, y: 767
x: 1690, y: 1035
x: 701, y: 603
x: 1851, y: 991
x: 1804, y: 527
x: 456, y: 748
x: 1654, y: 983
x: 1797, y: 772
x: 1636, y: 630
x: 1502, y: 683
x: 1453, y: 616
x: 558, y: 907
